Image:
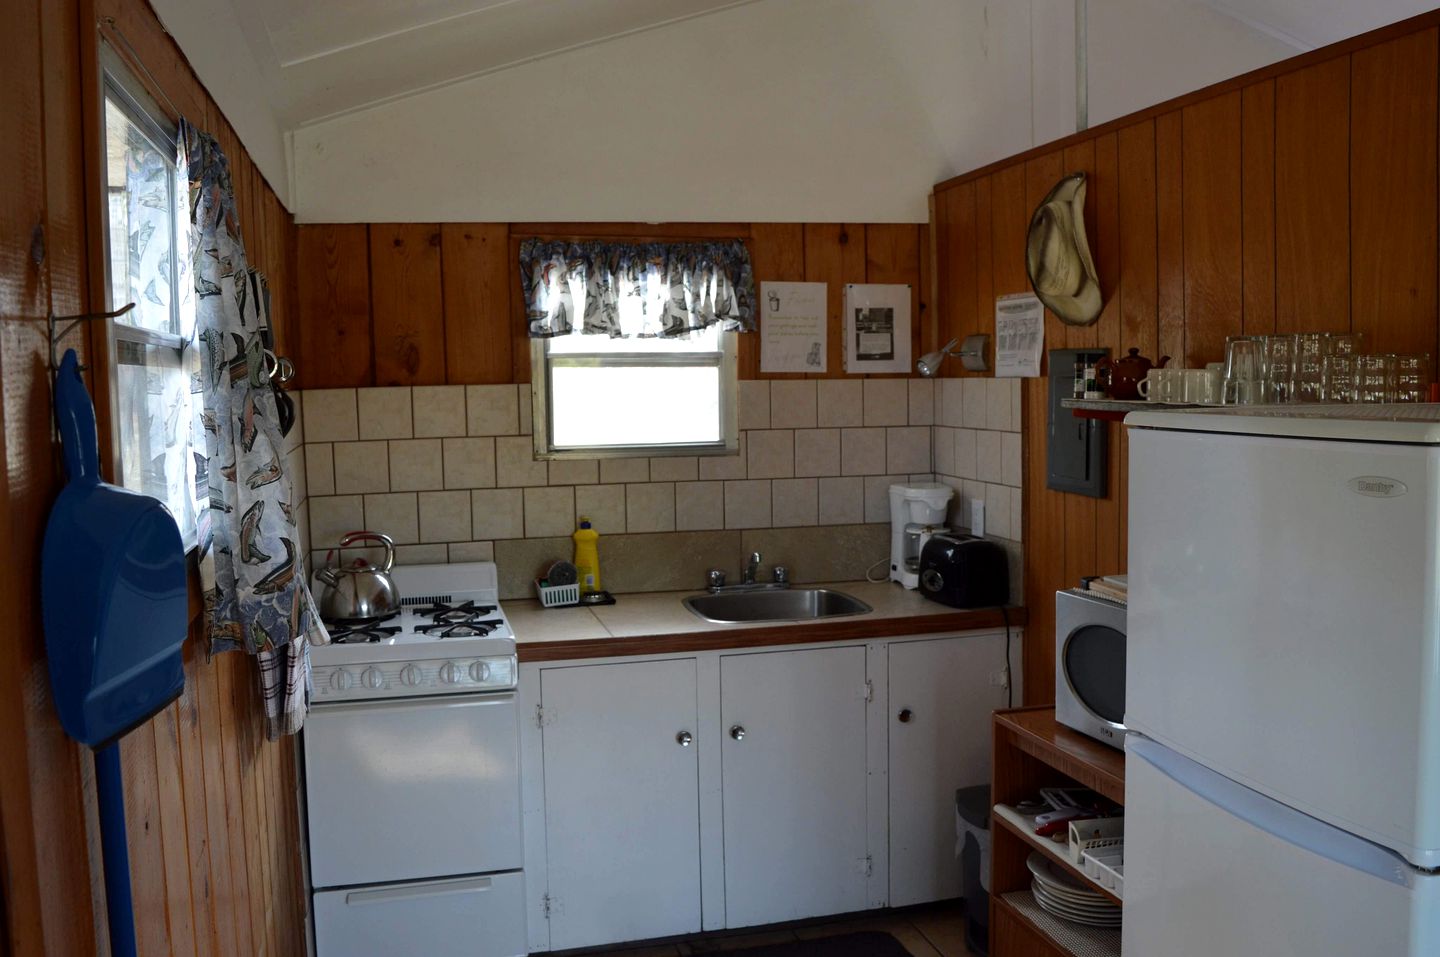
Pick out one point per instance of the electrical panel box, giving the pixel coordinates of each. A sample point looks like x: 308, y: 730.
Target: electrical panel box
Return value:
x: 1076, y: 449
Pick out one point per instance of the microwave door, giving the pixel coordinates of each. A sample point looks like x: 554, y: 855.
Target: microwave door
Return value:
x: 1094, y: 669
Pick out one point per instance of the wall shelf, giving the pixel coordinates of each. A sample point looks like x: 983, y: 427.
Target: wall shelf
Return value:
x: 1115, y: 410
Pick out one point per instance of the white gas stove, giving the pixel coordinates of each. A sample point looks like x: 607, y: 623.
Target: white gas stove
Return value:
x: 450, y: 637
x: 412, y: 781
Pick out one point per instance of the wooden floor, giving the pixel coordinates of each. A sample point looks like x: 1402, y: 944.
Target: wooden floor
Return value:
x: 931, y: 930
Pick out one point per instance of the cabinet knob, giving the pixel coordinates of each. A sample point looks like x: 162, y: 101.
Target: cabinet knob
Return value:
x: 905, y: 715
x: 683, y: 739
x: 737, y: 732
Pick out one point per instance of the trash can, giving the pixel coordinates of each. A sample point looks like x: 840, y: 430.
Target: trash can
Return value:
x: 972, y: 834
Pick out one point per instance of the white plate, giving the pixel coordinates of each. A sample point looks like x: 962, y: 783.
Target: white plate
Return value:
x: 1079, y: 917
x: 1097, y: 910
x: 1061, y: 883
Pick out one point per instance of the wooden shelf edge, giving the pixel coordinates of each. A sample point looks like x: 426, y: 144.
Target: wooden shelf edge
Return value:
x: 1050, y: 849
x: 1092, y: 764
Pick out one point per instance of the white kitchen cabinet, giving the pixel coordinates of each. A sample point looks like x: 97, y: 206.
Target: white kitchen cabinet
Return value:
x: 941, y: 694
x: 621, y: 801
x: 794, y: 783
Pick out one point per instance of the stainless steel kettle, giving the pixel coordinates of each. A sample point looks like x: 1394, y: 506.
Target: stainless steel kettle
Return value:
x: 359, y: 591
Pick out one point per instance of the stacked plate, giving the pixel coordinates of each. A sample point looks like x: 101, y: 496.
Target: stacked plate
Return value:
x: 1064, y: 895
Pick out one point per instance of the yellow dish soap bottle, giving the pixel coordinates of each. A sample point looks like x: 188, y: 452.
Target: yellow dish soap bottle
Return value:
x: 587, y: 556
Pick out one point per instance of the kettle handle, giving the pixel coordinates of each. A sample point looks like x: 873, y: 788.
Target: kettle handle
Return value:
x: 353, y: 537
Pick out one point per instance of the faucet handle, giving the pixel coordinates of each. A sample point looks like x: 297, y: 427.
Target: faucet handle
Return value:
x: 754, y: 558
x: 782, y: 575
x: 716, y: 578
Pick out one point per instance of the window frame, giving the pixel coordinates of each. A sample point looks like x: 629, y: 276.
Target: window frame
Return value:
x: 117, y: 80
x: 541, y: 362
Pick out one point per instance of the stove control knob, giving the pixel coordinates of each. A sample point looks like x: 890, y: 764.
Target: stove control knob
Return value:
x: 449, y: 674
x: 480, y: 671
x: 410, y: 675
x: 373, y: 678
x: 341, y: 680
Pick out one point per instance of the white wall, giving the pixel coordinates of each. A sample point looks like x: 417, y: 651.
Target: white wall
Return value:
x: 782, y: 110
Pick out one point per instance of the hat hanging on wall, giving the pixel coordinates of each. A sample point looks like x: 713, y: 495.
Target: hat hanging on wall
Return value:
x: 1057, y: 255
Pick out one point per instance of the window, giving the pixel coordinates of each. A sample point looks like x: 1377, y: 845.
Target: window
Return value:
x: 597, y: 396
x: 145, y: 219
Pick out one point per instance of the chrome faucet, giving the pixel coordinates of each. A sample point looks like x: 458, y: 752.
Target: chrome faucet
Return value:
x: 752, y: 568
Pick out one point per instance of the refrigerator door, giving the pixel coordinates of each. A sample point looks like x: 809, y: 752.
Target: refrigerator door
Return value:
x: 1282, y: 622
x: 1212, y: 867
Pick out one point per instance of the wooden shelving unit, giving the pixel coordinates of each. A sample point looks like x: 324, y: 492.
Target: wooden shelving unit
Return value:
x: 1032, y: 751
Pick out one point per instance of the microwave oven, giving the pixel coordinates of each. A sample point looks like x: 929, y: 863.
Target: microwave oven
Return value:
x: 1090, y: 665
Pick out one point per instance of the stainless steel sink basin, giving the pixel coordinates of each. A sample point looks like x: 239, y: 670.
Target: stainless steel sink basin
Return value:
x: 791, y: 604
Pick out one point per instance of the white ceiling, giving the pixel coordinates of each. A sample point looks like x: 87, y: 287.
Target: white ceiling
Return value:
x: 277, y: 66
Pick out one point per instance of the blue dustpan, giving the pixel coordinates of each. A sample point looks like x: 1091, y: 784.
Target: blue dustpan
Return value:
x: 112, y: 578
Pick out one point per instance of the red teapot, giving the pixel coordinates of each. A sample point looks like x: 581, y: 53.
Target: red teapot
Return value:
x: 1121, y: 377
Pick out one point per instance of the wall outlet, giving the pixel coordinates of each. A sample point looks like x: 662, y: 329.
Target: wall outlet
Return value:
x: 977, y: 518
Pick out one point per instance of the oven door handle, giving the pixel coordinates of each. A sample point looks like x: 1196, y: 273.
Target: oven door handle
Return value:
x: 474, y: 885
x: 479, y: 699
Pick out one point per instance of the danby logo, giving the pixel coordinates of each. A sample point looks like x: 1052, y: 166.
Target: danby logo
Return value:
x: 1377, y: 486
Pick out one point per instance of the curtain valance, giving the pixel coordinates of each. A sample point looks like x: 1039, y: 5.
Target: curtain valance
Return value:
x: 625, y: 290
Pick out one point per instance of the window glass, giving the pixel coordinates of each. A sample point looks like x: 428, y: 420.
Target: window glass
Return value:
x: 153, y: 369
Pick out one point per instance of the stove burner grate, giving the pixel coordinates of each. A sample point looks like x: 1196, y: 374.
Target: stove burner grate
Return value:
x: 471, y: 627
x: 360, y: 633
x: 446, y: 613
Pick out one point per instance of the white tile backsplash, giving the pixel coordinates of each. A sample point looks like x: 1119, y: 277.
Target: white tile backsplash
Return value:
x: 997, y: 404
x: 792, y: 404
x: 1011, y: 460
x: 444, y: 516
x: 416, y: 465
x: 747, y: 504
x: 717, y: 467
x: 974, y: 402
x: 574, y: 471
x: 817, y: 452
x: 492, y: 409
x: 331, y: 516
x: 908, y: 449
x: 624, y: 470
x: 754, y: 404
x: 439, y: 410
x: 965, y: 453
x: 497, y: 513
x: 361, y: 467
x: 887, y: 402
x: 549, y: 512
x: 842, y: 500
x: 877, y: 496
x: 922, y: 401
x: 839, y: 403
x: 320, y: 468
x: 469, y: 462
x: 988, y: 464
x: 604, y: 505
x: 330, y: 415
x: 944, y: 439
x: 650, y: 507
x: 951, y: 403
x: 793, y: 502
x: 699, y: 505
x: 673, y: 468
x: 385, y: 413
x: 472, y: 551
x: 515, y: 463
x: 771, y: 453
x: 862, y: 451
x: 395, y: 514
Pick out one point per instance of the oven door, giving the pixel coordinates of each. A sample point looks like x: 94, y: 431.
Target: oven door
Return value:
x: 412, y: 789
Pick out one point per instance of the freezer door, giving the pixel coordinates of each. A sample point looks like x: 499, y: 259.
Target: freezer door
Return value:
x: 1212, y: 868
x: 480, y: 916
x: 1282, y: 622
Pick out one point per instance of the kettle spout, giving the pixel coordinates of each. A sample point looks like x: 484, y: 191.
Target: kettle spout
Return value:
x: 1161, y: 363
x: 327, y: 575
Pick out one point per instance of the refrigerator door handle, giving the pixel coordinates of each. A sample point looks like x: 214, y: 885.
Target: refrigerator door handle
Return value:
x: 1273, y: 817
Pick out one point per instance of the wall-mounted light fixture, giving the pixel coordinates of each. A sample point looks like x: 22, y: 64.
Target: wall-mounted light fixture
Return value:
x: 971, y: 352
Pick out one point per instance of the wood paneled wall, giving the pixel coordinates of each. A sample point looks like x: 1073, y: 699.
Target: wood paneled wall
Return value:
x: 1298, y: 197
x: 211, y: 809
x: 431, y: 304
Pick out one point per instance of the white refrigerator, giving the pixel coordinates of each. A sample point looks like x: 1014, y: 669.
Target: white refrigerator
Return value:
x: 1283, y: 683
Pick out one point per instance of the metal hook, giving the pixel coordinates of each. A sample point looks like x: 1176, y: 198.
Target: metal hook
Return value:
x: 74, y: 321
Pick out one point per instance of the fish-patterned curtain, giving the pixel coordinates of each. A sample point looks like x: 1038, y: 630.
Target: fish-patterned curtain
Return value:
x: 251, y: 569
x: 636, y: 290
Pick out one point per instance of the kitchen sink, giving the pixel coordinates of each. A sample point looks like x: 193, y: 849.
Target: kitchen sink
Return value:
x: 790, y: 604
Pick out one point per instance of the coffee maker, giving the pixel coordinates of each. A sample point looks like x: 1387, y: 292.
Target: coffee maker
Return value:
x: 916, y: 513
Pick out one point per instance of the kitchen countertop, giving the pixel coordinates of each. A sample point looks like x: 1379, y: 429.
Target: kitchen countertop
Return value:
x: 649, y: 623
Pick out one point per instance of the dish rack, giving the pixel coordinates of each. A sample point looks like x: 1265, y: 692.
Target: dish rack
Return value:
x: 1107, y: 868
x: 556, y: 596
x: 1097, y: 847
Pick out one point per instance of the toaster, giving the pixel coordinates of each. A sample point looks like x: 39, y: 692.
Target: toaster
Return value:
x: 964, y: 571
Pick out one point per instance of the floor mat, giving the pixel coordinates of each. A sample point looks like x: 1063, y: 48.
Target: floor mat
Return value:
x: 868, y: 944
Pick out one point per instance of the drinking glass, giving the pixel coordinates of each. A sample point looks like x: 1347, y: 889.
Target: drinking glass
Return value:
x: 1344, y: 343
x: 1375, y: 378
x: 1279, y: 368
x: 1338, y: 379
x: 1243, y: 370
x: 1309, y: 375
x: 1412, y: 378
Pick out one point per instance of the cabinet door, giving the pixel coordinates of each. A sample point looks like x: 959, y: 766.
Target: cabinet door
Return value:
x: 622, y: 802
x: 941, y: 696
x: 793, y: 783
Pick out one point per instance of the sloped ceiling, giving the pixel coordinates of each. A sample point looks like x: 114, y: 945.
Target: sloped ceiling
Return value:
x: 277, y: 66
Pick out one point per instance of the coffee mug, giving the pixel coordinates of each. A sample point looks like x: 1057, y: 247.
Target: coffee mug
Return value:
x: 1152, y: 387
x: 1202, y: 387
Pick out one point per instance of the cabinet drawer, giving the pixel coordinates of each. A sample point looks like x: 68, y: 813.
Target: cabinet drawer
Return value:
x: 464, y: 917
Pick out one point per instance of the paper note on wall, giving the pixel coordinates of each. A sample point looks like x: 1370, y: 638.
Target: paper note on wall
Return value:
x: 792, y: 326
x: 1019, y: 335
